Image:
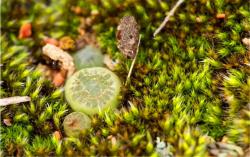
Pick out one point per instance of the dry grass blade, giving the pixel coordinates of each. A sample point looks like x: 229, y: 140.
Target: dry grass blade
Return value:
x: 14, y: 100
x: 133, y: 63
x: 171, y: 13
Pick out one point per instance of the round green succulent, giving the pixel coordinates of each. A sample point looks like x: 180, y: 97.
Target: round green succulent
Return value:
x: 91, y: 90
x: 75, y: 123
x: 88, y: 57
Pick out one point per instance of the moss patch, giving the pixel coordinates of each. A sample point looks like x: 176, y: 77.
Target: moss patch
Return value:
x: 190, y: 85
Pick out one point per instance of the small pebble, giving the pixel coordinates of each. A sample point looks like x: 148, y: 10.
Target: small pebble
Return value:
x: 214, y: 152
x: 58, y: 79
x: 51, y: 41
x: 221, y: 16
x: 246, y: 41
x: 111, y: 64
x: 67, y: 43
x: 7, y: 121
x: 57, y: 135
x: 25, y: 31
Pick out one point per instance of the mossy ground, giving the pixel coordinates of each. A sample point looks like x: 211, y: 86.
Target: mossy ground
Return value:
x: 190, y: 85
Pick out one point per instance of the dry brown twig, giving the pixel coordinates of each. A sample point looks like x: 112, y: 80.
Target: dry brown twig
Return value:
x: 171, y: 13
x: 14, y: 100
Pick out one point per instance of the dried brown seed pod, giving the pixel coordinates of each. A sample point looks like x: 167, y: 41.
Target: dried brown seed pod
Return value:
x: 128, y: 36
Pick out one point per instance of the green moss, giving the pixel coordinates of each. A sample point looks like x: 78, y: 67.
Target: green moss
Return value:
x: 190, y: 83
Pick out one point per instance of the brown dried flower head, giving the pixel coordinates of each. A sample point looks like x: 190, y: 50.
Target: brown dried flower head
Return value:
x: 128, y: 36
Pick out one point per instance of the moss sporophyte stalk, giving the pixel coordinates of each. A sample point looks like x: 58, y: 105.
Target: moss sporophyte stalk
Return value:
x: 188, y: 94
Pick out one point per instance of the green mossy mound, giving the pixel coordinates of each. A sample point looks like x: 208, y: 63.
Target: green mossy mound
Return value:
x: 190, y: 85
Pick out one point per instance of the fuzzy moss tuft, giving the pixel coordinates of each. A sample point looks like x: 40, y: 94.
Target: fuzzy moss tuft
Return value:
x: 190, y: 86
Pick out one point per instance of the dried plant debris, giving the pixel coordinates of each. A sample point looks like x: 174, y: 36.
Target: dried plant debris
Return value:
x: 162, y: 149
x: 178, y: 80
x: 171, y: 13
x: 14, y: 100
x: 84, y: 39
x: 110, y: 63
x: 57, y: 54
x: 221, y: 16
x: 46, y: 71
x: 25, y: 31
x: 56, y: 76
x: 128, y: 36
x: 224, y: 149
x: 7, y: 121
x: 57, y: 135
x: 67, y: 43
x: 246, y: 41
x: 52, y: 41
x: 247, y: 152
x: 133, y: 62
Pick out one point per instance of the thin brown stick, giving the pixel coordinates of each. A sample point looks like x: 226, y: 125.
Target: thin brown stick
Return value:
x: 14, y: 100
x: 133, y: 63
x: 171, y: 13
